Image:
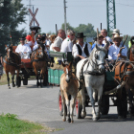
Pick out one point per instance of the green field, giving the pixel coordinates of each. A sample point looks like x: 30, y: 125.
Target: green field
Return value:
x: 10, y: 124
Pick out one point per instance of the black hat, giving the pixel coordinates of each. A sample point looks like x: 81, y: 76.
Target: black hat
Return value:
x: 43, y: 37
x: 36, y: 28
x: 22, y: 38
x: 80, y: 35
x: 132, y: 40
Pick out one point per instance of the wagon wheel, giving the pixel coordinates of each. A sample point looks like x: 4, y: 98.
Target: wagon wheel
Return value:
x: 60, y: 105
x: 25, y: 81
x: 78, y: 107
x: 18, y: 81
x: 104, y: 109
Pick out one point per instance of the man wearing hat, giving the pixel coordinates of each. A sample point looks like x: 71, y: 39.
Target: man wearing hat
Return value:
x: 114, y: 49
x: 23, y: 49
x: 81, y: 50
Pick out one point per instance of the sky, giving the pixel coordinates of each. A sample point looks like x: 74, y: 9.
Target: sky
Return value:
x: 51, y: 12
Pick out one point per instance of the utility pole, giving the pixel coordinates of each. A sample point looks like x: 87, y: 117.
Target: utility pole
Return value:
x: 65, y: 19
x: 111, y: 15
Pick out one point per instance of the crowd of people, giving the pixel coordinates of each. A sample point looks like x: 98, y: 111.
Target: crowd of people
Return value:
x: 73, y: 43
x: 70, y: 42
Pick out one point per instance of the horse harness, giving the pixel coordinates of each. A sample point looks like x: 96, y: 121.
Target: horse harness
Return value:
x: 95, y: 70
x: 12, y: 63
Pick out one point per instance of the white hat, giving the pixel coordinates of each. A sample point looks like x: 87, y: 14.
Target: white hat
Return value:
x: 116, y: 31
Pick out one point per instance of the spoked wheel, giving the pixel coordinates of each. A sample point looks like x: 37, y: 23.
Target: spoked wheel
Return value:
x: 60, y: 105
x: 18, y: 81
x: 25, y: 81
x: 104, y: 109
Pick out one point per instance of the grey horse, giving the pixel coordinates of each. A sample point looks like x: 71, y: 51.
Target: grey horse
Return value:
x: 93, y: 78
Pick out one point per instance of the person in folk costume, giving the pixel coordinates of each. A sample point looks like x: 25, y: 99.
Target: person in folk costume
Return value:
x: 67, y: 44
x: 23, y: 49
x: 100, y: 42
x: 114, y: 49
x: 29, y: 40
x: 81, y: 49
x: 106, y: 37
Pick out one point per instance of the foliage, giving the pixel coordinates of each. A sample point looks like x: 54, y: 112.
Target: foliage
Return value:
x: 12, y: 14
x: 88, y: 29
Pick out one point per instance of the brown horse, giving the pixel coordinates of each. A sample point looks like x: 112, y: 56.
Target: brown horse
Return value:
x: 39, y: 63
x: 12, y: 62
x: 69, y: 89
x: 124, y: 74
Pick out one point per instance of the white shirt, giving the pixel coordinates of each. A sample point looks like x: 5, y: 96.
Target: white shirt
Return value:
x: 114, y: 51
x: 75, y: 51
x: 57, y: 42
x: 29, y: 43
x: 108, y: 39
x: 51, y: 47
x: 66, y: 45
x: 24, y: 48
x: 48, y: 42
x: 37, y: 45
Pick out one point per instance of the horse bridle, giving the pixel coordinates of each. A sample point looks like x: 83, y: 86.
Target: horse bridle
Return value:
x: 95, y: 63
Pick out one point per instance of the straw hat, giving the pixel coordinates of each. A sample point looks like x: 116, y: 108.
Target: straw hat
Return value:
x: 101, y: 36
x: 117, y: 36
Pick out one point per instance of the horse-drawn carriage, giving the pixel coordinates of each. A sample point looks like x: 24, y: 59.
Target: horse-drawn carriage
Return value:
x: 110, y: 83
x: 26, y: 69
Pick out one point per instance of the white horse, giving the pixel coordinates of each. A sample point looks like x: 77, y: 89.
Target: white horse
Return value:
x: 94, y: 78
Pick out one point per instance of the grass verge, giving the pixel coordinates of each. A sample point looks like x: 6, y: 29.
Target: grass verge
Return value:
x: 3, y: 80
x: 10, y: 124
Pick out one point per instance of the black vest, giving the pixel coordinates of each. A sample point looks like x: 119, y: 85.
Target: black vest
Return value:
x: 85, y: 50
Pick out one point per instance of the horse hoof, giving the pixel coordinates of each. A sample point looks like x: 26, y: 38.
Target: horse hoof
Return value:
x: 83, y: 114
x: 13, y: 85
x: 9, y: 87
x: 64, y: 120
x: 94, y: 118
x: 69, y: 120
x: 72, y: 121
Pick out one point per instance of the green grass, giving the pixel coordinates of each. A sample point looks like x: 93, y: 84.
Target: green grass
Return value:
x: 10, y: 124
x: 3, y: 80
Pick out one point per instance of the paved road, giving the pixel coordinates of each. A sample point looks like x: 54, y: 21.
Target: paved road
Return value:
x: 41, y: 105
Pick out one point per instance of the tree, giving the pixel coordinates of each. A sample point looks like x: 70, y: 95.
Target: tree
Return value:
x: 12, y: 14
x: 88, y: 29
